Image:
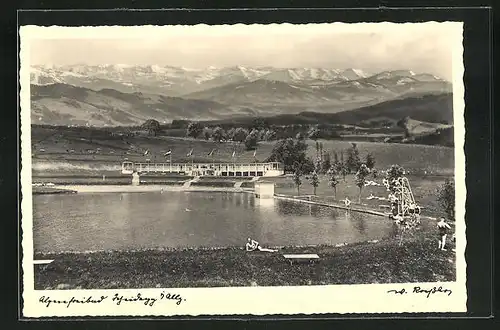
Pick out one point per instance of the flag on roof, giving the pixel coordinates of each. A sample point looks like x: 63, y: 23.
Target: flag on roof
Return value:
x: 234, y: 154
x: 255, y: 152
x: 190, y: 153
x: 168, y: 153
x: 211, y: 152
x: 146, y: 152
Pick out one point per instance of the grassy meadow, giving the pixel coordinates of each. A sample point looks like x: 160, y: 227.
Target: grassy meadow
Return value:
x: 57, y: 151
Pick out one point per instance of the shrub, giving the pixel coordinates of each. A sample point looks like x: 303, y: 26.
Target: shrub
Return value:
x: 446, y: 198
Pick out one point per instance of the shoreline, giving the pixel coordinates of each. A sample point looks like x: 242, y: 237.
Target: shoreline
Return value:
x: 384, y: 261
x: 83, y: 189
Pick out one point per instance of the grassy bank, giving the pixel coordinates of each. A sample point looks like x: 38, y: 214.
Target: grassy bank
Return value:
x: 39, y: 190
x: 417, y: 260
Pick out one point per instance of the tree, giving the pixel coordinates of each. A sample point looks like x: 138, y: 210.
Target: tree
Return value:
x: 152, y: 126
x: 403, y: 123
x: 261, y: 134
x: 255, y: 132
x: 307, y: 165
x: 314, y: 181
x: 297, y: 179
x: 360, y: 178
x: 179, y: 123
x: 313, y: 133
x: 230, y: 133
x: 446, y: 198
x: 317, y: 165
x: 251, y: 140
x: 336, y: 161
x: 240, y: 134
x: 218, y: 134
x: 194, y: 130
x: 394, y: 173
x: 290, y: 152
x: 327, y: 164
x: 370, y: 161
x: 259, y: 123
x: 353, y: 160
x: 342, y: 167
x: 207, y: 133
x: 300, y: 136
x: 333, y: 180
x: 270, y: 135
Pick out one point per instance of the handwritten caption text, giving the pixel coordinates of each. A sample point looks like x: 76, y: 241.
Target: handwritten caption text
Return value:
x: 117, y: 299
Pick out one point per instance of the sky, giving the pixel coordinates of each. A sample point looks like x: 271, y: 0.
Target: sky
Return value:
x: 417, y: 47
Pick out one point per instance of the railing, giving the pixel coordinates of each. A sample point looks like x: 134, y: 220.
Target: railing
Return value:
x: 165, y: 167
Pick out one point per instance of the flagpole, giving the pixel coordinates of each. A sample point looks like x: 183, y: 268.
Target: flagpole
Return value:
x: 170, y: 160
x: 192, y: 165
x: 213, y: 163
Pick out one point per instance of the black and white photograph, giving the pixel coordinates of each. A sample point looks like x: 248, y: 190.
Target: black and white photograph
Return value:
x: 245, y: 169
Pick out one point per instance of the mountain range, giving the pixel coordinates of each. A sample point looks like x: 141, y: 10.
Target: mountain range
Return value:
x: 177, y: 81
x: 126, y: 95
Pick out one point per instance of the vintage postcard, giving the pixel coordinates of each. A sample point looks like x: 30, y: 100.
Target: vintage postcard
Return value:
x: 242, y: 169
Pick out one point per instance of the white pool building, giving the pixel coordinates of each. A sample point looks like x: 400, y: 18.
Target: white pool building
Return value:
x: 206, y: 169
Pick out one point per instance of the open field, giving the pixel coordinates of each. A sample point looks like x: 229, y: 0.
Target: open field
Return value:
x: 57, y: 152
x: 417, y: 260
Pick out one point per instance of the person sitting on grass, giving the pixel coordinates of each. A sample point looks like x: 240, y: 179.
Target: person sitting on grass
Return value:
x: 253, y: 245
x: 443, y: 230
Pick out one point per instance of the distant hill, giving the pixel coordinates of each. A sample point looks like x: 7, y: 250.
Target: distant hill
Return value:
x: 434, y: 108
x: 265, y: 92
x: 280, y: 89
x: 62, y: 104
x: 416, y: 128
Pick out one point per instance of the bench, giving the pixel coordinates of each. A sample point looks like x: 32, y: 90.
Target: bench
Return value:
x: 297, y: 257
x: 42, y: 262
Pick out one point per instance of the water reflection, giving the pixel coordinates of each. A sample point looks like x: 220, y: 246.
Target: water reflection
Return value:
x: 174, y: 219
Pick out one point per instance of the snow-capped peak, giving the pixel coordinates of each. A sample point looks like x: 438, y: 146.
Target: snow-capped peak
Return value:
x: 353, y: 74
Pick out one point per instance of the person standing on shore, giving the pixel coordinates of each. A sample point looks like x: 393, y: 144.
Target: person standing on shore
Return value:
x: 443, y: 228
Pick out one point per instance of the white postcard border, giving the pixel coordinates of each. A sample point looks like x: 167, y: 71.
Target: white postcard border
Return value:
x: 369, y: 298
